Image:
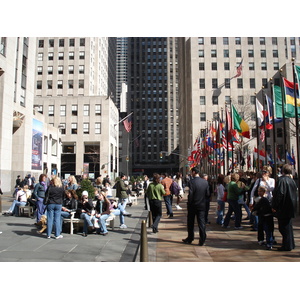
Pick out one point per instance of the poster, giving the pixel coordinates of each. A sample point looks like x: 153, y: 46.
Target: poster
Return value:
x: 37, y: 145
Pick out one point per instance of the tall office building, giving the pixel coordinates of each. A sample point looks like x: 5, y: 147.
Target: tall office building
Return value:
x: 152, y: 97
x: 208, y: 81
x: 75, y: 85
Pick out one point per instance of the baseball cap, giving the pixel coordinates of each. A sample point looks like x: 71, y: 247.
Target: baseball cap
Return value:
x: 85, y: 193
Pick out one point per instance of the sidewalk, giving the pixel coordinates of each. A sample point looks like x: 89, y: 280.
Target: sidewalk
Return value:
x: 20, y: 242
x: 222, y: 245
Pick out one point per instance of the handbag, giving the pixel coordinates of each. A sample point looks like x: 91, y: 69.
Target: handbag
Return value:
x: 46, y: 199
x: 225, y: 196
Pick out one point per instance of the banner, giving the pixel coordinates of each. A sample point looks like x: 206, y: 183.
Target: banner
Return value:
x: 37, y: 145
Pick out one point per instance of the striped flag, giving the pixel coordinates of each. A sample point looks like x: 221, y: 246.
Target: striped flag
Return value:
x: 239, y: 70
x: 128, y: 123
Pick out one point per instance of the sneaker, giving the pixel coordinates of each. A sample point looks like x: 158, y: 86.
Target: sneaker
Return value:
x: 241, y: 227
x: 223, y: 226
x: 269, y: 247
x: 48, y: 237
x: 59, y: 237
x: 123, y: 226
x: 178, y: 207
x: 260, y: 243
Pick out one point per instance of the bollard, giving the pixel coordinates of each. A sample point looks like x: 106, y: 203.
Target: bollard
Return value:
x: 0, y: 204
x: 150, y: 219
x: 144, y: 243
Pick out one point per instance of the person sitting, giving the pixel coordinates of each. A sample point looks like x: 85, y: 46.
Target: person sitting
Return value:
x: 70, y: 204
x: 72, y: 183
x: 84, y: 211
x: 102, y: 213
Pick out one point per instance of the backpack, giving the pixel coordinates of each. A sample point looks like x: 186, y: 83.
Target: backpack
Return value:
x: 256, y: 190
x: 175, y: 188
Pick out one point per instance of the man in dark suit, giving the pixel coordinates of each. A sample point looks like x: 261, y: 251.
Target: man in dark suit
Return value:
x: 284, y: 206
x: 198, y: 192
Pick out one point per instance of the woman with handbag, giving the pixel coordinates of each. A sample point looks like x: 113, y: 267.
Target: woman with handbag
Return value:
x: 53, y: 200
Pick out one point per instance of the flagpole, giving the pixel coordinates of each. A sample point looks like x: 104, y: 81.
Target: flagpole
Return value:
x: 231, y: 126
x: 257, y: 135
x: 226, y: 134
x: 297, y: 129
x: 222, y: 144
x: 265, y: 121
x: 283, y: 115
x: 274, y: 132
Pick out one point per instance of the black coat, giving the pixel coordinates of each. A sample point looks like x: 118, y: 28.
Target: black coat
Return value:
x: 285, y: 198
x: 198, y: 193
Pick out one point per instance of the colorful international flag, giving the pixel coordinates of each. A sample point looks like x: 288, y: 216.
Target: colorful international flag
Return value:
x: 290, y: 98
x: 239, y: 124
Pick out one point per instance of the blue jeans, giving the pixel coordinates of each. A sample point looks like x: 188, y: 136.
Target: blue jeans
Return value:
x: 16, y: 209
x: 220, y: 212
x: 234, y: 206
x: 64, y: 214
x: 53, y: 218
x: 12, y: 207
x: 123, y: 202
x: 102, y: 225
x: 168, y: 201
x: 40, y: 209
x: 119, y: 212
x: 87, y: 221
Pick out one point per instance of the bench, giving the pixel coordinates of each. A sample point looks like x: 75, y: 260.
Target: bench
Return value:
x: 26, y: 209
x: 74, y: 220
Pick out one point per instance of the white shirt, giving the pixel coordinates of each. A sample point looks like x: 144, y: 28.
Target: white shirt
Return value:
x: 269, y: 185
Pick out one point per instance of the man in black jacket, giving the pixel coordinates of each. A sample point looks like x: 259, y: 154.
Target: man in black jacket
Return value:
x: 198, y: 192
x: 284, y: 206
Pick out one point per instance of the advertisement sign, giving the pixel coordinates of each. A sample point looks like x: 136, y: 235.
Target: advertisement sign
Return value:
x: 37, y: 145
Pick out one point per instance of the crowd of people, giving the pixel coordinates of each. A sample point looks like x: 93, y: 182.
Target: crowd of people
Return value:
x: 57, y: 199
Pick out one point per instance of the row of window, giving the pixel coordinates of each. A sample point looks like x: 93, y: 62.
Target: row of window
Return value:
x: 240, y: 83
x: 214, y: 66
x: 74, y: 110
x: 250, y: 40
x: 74, y: 128
x: 60, y: 55
x: 238, y: 53
x: 60, y: 70
x: 61, y: 42
x: 39, y: 84
x: 240, y: 100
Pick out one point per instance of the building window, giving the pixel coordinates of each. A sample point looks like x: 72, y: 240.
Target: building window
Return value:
x: 81, y: 83
x: 240, y: 83
x: 250, y: 53
x: 40, y: 56
x: 225, y: 41
x: 62, y: 128
x: 40, y: 70
x: 240, y: 100
x: 82, y: 42
x: 214, y: 66
x: 264, y: 82
x: 71, y: 42
x: 274, y: 40
x: 70, y: 84
x: 202, y: 117
x: 50, y: 70
x: 60, y: 69
x: 51, y: 43
x: 98, y: 110
x: 45, y: 144
x: 81, y: 69
x: 226, y: 53
x: 276, y: 66
x: 49, y: 84
x: 213, y: 41
x: 60, y: 56
x: 216, y: 115
x: 62, y: 110
x: 39, y: 85
x: 226, y: 66
x: 263, y: 53
x: 201, y: 53
x: 264, y: 66
x: 238, y: 53
x: 237, y: 40
x: 41, y: 43
x: 50, y: 56
x: 214, y: 83
x: 252, y: 83
x: 86, y: 128
x: 81, y: 55
x: 202, y: 100
x: 61, y: 42
x: 200, y: 41
x: 86, y: 110
x: 74, y: 128
x: 51, y: 110
x: 59, y: 84
x: 202, y: 83
x: 262, y: 41
x: 74, y: 110
x: 201, y: 66
x: 97, y: 128
x: 227, y: 83
x: 215, y: 100
x: 53, y: 147
x: 71, y: 55
x: 251, y: 65
x: 250, y: 40
x: 71, y: 69
x: 213, y: 53
x: 275, y: 53
x: 227, y: 99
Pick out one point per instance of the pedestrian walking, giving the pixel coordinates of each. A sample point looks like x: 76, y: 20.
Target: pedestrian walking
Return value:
x: 168, y: 197
x: 196, y: 206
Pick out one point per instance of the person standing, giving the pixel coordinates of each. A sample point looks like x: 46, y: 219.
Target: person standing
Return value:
x: 166, y: 182
x: 145, y: 187
x: 196, y: 206
x: 284, y: 206
x: 178, y: 179
x: 39, y: 195
x: 220, y: 194
x: 54, y: 198
x: 155, y: 192
x: 121, y: 191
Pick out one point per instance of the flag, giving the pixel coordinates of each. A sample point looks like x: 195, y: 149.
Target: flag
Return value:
x: 238, y: 70
x: 269, y: 116
x: 262, y: 154
x: 240, y: 125
x: 232, y: 135
x: 289, y: 98
x: 290, y: 158
x: 248, y: 161
x: 278, y: 101
x: 262, y: 134
x: 260, y: 113
x: 128, y: 123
